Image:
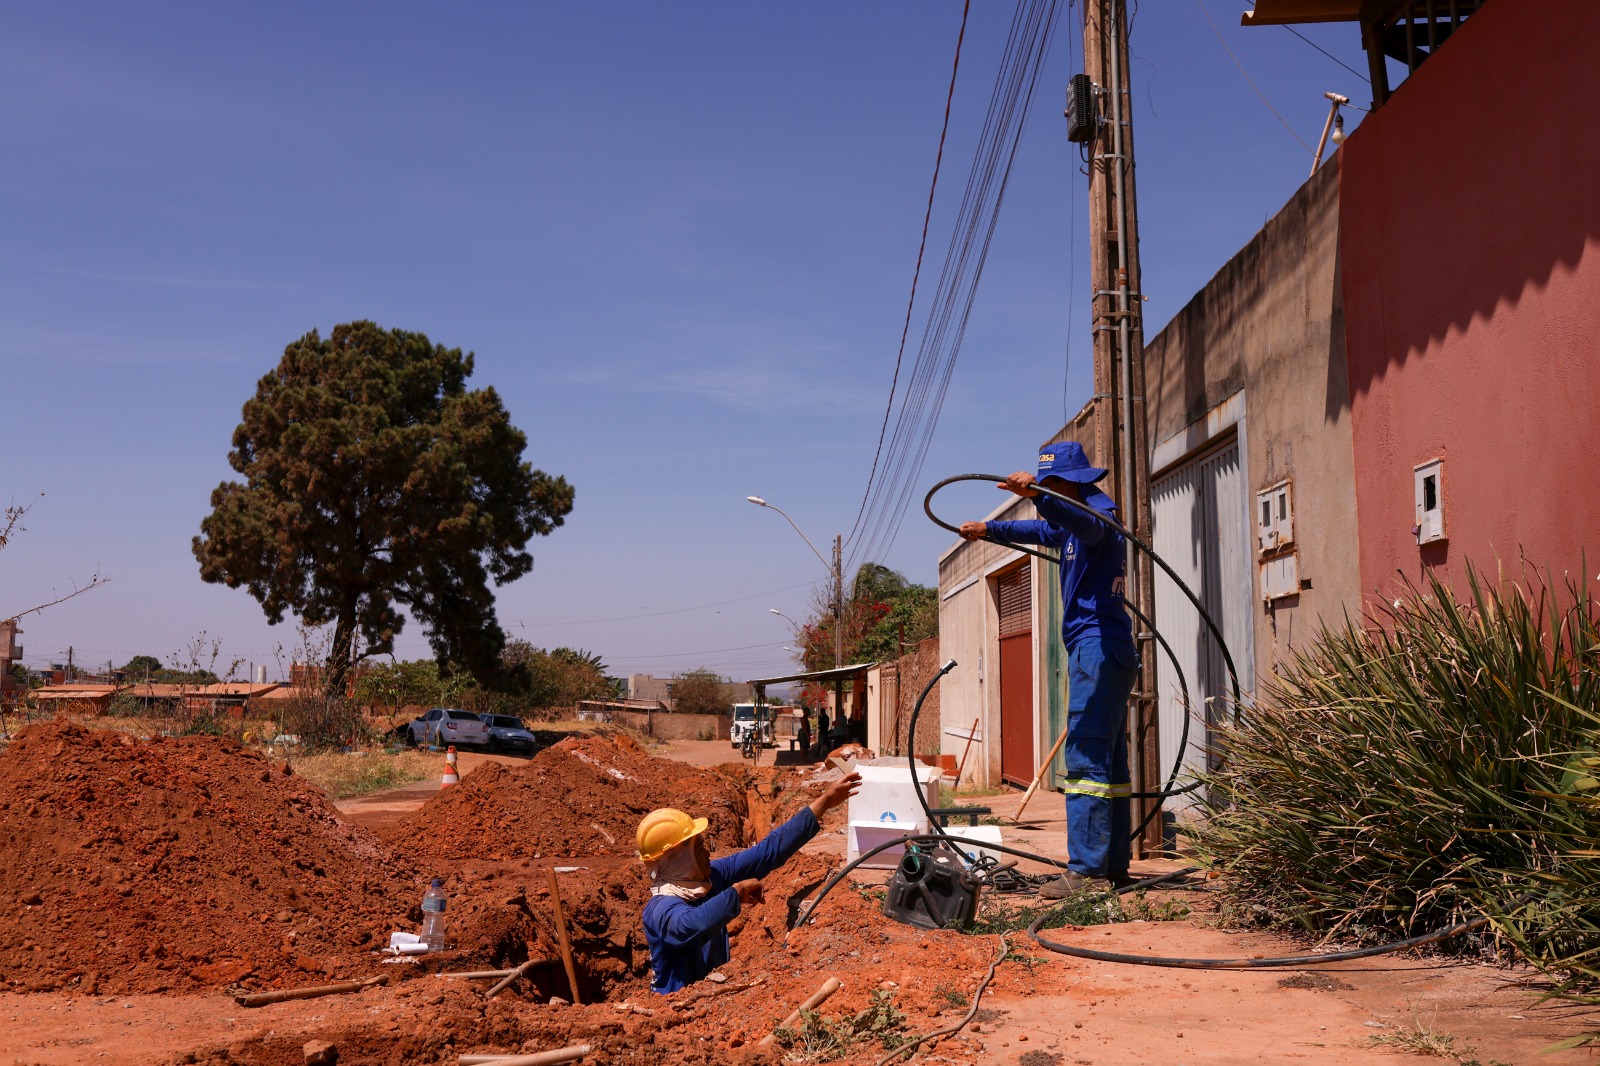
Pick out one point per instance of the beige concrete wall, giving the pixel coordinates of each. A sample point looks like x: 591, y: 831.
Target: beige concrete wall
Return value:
x: 670, y: 725
x: 1270, y: 324
x: 968, y: 633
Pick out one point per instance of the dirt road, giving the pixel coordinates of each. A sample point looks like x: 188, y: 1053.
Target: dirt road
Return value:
x: 1043, y: 1009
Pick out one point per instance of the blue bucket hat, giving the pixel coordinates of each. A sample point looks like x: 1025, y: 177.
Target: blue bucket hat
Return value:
x: 1065, y: 459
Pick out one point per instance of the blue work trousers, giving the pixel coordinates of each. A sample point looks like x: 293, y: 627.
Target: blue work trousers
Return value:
x: 1098, y: 783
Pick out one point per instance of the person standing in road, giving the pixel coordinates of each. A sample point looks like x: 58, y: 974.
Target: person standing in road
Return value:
x: 1102, y: 658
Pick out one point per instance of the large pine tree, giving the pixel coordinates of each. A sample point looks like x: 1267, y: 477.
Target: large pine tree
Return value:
x: 374, y: 478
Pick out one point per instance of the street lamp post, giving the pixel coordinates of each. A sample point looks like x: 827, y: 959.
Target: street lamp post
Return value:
x: 837, y: 573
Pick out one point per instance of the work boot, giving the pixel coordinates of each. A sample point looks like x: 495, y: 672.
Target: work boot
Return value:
x: 1068, y: 884
x: 1122, y: 881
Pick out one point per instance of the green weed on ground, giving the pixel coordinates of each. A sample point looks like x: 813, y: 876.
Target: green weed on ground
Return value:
x: 998, y: 915
x: 1419, y: 1038
x: 819, y: 1038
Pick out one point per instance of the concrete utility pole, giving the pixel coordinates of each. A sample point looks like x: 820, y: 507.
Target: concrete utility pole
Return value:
x: 1121, y: 440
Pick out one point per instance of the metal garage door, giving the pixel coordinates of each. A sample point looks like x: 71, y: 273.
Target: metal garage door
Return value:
x: 1014, y: 589
x: 1202, y: 528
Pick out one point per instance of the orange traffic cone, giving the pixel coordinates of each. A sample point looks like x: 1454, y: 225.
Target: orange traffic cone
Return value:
x: 450, y: 775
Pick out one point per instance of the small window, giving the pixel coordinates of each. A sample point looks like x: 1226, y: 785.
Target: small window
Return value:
x: 1276, y: 530
x: 1428, y: 479
x: 462, y: 716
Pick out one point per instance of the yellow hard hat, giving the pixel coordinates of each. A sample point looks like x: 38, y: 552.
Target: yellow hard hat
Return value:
x: 664, y: 829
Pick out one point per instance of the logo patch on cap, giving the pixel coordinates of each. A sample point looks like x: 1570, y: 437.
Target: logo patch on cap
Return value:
x: 1047, y: 459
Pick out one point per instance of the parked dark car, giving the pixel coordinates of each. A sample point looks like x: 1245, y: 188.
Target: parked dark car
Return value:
x: 508, y: 733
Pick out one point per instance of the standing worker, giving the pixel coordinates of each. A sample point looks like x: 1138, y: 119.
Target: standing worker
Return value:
x: 1102, y: 658
x: 693, y: 897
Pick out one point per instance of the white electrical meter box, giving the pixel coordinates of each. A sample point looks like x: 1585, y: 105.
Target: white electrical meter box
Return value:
x: 1275, y: 517
x: 1428, y: 479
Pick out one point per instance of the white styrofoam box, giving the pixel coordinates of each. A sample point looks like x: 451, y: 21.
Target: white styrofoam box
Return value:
x: 888, y: 794
x: 979, y: 835
x: 866, y: 835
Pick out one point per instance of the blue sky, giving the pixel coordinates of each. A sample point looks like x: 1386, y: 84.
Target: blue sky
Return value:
x: 679, y: 239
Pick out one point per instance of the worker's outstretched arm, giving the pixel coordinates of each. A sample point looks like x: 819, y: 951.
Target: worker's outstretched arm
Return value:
x: 778, y: 846
x: 1026, y: 531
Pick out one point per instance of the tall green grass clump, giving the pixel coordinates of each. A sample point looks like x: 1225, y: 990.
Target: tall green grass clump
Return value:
x: 1434, y: 765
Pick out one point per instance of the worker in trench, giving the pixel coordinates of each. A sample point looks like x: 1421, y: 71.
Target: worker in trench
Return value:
x: 693, y: 897
x: 1102, y: 658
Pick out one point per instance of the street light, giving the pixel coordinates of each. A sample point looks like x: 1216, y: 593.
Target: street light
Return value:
x: 786, y: 618
x: 837, y: 573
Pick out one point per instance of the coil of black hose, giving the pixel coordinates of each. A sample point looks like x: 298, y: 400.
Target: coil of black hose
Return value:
x: 1169, y: 789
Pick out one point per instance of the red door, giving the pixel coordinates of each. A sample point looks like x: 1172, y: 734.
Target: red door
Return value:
x: 1016, y: 676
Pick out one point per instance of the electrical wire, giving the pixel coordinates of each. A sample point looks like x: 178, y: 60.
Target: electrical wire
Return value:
x: 1030, y: 35
x: 1023, y: 56
x: 657, y: 614
x: 1260, y: 95
x: 916, y: 273
x: 1072, y: 263
x: 907, y: 1049
x: 1329, y: 54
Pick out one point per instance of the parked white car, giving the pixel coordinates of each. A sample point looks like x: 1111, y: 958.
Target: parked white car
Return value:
x: 444, y: 726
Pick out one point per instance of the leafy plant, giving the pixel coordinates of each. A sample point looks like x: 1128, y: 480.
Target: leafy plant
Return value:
x: 1420, y: 1039
x: 1083, y: 908
x: 1430, y: 767
x: 822, y: 1039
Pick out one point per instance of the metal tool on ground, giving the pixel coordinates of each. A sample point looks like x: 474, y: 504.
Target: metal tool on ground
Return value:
x: 261, y: 999
x: 561, y: 934
x: 817, y: 998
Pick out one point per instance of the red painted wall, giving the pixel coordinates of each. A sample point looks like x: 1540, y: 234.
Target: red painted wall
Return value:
x: 1470, y: 250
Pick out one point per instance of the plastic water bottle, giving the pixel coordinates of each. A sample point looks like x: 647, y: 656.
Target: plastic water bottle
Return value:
x: 433, y: 916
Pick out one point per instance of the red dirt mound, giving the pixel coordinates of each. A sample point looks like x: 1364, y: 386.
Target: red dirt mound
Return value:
x: 583, y: 796
x: 178, y: 864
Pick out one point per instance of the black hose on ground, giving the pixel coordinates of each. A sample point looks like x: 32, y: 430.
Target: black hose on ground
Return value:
x: 1252, y: 963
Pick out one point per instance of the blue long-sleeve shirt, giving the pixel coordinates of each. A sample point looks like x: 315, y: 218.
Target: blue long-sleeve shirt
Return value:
x: 1092, y: 565
x: 690, y: 939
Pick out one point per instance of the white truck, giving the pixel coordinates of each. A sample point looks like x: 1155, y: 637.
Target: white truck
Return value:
x: 751, y: 716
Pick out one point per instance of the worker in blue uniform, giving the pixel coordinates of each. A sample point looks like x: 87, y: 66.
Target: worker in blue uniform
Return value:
x: 1102, y: 658
x: 693, y: 897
